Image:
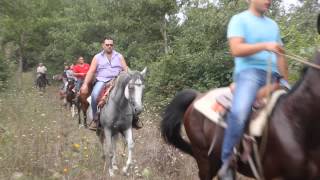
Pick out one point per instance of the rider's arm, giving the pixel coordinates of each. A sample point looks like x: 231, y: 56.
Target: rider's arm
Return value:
x: 124, y: 64
x: 75, y: 71
x: 282, y: 66
x: 239, y: 48
x: 91, y: 72
x: 237, y: 42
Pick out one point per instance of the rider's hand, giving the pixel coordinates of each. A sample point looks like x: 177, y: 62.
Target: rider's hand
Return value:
x: 84, y: 89
x: 274, y: 47
x: 285, y: 83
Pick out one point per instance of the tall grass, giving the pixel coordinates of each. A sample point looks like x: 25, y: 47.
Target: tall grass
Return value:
x: 40, y: 140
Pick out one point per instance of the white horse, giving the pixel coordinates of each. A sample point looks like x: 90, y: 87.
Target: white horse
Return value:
x: 118, y: 116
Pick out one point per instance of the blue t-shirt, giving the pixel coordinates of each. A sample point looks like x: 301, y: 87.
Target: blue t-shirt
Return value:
x: 254, y: 29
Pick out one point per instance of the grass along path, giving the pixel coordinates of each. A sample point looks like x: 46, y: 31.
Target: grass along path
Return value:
x: 40, y: 140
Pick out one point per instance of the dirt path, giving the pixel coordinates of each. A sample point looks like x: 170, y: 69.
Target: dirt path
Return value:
x: 40, y: 140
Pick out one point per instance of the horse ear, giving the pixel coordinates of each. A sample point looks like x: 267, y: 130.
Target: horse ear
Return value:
x: 144, y: 72
x: 319, y: 23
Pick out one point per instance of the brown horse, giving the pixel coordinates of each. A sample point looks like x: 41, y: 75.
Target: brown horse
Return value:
x: 84, y: 104
x: 292, y: 149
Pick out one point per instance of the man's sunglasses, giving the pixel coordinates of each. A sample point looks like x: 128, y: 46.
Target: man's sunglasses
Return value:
x: 109, y: 45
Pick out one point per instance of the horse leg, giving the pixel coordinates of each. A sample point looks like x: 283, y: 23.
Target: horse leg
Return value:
x: 203, y: 164
x: 214, y: 166
x: 107, y: 148
x: 130, y: 143
x: 73, y: 110
x: 84, y: 107
x: 79, y: 113
x: 85, y: 119
x: 114, y: 162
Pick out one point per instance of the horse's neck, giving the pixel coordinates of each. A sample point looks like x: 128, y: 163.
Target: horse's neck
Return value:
x: 117, y: 94
x: 304, y: 101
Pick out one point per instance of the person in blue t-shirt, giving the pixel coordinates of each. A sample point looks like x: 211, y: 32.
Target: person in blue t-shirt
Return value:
x: 254, y: 39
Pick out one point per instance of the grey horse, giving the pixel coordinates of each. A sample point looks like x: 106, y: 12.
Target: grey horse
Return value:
x: 117, y: 116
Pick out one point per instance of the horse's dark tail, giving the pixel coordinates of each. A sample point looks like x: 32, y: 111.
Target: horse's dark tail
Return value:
x: 172, y: 120
x: 319, y: 23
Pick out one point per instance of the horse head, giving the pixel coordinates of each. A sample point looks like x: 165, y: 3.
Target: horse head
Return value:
x: 135, y: 88
x: 71, y: 84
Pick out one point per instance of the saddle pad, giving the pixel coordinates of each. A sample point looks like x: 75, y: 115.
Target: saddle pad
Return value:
x: 257, y: 124
x: 206, y: 105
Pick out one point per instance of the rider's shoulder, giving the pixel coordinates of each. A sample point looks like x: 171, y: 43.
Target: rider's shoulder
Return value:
x: 116, y: 53
x: 99, y: 54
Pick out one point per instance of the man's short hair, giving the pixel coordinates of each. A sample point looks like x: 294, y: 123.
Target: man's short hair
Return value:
x: 106, y: 38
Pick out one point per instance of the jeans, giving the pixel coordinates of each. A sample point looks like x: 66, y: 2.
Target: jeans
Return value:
x: 248, y: 82
x: 79, y: 83
x: 95, y: 95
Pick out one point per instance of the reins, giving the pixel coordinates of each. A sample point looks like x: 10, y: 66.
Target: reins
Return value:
x: 300, y: 59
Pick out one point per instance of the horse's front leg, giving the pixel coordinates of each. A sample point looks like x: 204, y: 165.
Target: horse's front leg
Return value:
x: 73, y: 110
x: 79, y: 115
x: 130, y: 143
x: 108, y: 152
x: 114, y: 160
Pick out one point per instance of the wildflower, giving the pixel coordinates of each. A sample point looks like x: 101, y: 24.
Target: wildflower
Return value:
x: 77, y: 146
x: 65, y: 170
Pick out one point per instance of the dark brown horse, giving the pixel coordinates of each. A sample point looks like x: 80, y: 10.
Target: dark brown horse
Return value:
x: 84, y: 104
x: 292, y: 148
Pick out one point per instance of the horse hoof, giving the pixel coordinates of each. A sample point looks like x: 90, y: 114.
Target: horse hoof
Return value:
x: 103, y: 157
x: 125, y: 171
x: 111, y: 173
x: 115, y: 167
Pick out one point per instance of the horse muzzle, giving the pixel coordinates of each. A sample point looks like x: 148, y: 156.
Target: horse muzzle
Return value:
x: 138, y: 110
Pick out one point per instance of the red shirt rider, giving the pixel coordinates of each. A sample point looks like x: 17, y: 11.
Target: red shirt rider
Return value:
x: 80, y: 69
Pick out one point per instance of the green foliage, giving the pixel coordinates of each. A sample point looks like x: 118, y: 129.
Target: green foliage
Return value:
x: 4, y: 72
x: 189, y: 53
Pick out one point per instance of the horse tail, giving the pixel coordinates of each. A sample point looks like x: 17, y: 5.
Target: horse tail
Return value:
x: 318, y: 24
x: 172, y: 120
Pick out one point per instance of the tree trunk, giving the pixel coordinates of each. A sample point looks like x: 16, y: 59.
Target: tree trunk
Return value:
x: 20, y: 61
x: 165, y: 35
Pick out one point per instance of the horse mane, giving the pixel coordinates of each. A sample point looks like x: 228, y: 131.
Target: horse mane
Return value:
x: 118, y: 92
x: 120, y: 83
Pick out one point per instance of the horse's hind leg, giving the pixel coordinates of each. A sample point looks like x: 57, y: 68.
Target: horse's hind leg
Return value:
x: 203, y: 164
x: 130, y: 143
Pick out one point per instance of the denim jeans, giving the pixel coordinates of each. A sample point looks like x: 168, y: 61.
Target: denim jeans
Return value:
x: 95, y: 95
x: 248, y: 82
x: 79, y: 83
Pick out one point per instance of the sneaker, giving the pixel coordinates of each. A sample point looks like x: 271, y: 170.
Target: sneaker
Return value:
x: 93, y: 125
x: 227, y: 174
x: 227, y: 171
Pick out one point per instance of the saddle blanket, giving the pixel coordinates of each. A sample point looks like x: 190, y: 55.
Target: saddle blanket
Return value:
x: 217, y: 102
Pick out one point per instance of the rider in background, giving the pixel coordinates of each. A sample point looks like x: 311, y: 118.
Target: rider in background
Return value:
x: 79, y: 71
x: 67, y: 76
x: 254, y: 39
x: 106, y: 65
x: 42, y: 70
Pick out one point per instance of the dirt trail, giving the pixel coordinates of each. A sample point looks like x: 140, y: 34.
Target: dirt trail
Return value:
x: 40, y: 140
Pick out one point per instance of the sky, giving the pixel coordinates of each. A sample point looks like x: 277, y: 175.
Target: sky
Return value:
x: 286, y: 3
